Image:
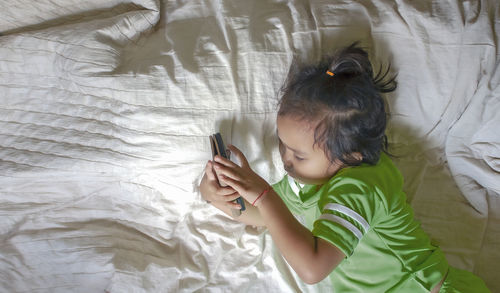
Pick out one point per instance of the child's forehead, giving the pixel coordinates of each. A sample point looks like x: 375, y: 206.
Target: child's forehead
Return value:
x: 296, y: 131
x: 296, y: 123
x: 299, y: 135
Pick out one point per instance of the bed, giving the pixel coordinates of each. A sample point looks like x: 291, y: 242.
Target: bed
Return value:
x: 106, y: 108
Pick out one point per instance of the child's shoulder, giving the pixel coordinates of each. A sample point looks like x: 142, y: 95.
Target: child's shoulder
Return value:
x: 369, y: 185
x: 382, y: 175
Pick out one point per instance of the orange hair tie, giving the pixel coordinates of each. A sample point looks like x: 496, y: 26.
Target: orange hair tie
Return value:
x: 330, y: 73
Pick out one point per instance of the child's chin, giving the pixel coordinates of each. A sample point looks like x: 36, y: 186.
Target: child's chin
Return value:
x: 309, y: 181
x: 300, y: 179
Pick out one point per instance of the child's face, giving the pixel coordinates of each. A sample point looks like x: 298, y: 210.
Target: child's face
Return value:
x: 303, y: 160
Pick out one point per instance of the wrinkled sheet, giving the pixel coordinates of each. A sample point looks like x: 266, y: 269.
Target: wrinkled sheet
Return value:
x: 105, y: 109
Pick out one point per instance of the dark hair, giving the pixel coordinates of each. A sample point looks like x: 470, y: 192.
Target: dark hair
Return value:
x: 347, y: 102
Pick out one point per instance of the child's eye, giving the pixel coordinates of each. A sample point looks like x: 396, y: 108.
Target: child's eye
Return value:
x: 299, y: 158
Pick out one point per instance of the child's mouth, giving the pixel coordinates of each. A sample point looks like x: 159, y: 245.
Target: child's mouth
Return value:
x: 291, y: 173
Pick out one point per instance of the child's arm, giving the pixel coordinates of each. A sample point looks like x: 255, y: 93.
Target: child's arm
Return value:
x: 312, y: 258
x: 223, y: 197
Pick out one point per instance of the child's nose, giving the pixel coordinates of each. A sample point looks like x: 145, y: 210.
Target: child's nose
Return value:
x: 287, y: 157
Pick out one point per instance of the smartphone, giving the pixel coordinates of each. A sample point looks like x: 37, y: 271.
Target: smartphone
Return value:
x: 218, y: 148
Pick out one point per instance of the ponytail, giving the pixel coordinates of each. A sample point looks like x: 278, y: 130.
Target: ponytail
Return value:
x: 353, y: 61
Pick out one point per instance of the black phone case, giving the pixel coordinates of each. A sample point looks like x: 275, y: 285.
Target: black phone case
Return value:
x: 218, y: 148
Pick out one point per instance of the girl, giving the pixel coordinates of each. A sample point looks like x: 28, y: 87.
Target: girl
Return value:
x: 357, y: 227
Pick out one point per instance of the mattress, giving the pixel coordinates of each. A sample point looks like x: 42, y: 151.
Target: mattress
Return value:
x: 106, y: 108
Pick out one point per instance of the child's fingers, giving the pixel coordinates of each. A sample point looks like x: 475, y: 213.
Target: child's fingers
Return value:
x: 232, y: 197
x: 225, y: 191
x: 233, y: 205
x: 224, y: 161
x: 239, y: 155
x: 233, y: 183
x: 209, y: 171
x: 227, y: 171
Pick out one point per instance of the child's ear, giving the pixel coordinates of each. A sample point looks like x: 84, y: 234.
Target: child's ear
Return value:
x: 354, y: 158
x: 357, y: 155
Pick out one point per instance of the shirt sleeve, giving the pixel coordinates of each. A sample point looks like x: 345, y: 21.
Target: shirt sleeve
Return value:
x: 347, y: 210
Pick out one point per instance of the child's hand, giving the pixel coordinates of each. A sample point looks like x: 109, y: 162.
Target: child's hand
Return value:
x: 213, y: 192
x: 243, y: 179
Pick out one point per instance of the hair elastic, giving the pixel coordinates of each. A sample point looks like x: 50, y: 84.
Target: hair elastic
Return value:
x: 330, y: 73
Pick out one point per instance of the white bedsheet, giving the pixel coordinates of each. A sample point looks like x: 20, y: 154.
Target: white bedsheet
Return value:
x: 105, y: 109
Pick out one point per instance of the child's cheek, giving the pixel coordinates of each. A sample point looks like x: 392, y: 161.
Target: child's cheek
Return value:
x: 281, y: 148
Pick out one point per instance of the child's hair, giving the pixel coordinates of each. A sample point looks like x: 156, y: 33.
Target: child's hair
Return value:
x: 342, y: 93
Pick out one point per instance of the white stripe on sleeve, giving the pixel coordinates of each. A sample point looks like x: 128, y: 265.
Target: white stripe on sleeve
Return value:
x: 348, y: 212
x: 346, y: 224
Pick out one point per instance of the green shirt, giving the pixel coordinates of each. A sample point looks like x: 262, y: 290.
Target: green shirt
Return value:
x: 363, y: 211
